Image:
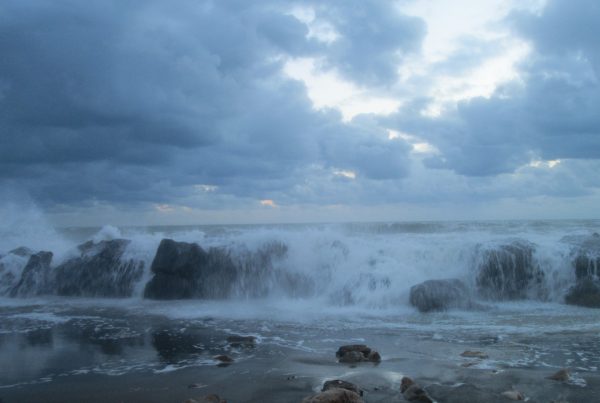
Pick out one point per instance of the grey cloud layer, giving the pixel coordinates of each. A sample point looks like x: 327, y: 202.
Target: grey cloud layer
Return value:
x: 138, y: 101
x: 552, y: 114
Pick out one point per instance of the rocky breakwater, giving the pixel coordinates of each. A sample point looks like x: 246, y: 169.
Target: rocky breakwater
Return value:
x: 586, y: 263
x: 98, y: 269
x: 184, y: 270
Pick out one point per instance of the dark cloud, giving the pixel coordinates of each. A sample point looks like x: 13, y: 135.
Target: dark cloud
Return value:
x: 127, y: 101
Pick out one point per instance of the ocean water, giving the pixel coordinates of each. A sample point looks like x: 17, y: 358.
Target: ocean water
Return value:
x: 333, y: 284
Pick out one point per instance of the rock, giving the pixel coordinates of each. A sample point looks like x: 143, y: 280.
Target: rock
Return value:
x: 513, y: 395
x: 353, y: 353
x: 337, y: 383
x: 585, y: 293
x: 207, y: 399
x: 509, y: 272
x: 241, y: 341
x: 223, y: 359
x: 474, y: 354
x: 184, y: 270
x: 35, y: 278
x: 99, y: 271
x: 335, y: 395
x: 562, y: 375
x: 586, y: 257
x: 413, y: 392
x: 439, y: 295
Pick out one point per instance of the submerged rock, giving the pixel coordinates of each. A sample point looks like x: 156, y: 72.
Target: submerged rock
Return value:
x: 335, y: 395
x: 513, y: 395
x: 185, y: 270
x: 339, y: 384
x: 509, y: 272
x: 474, y: 354
x: 36, y: 276
x: 585, y: 293
x: 413, y: 392
x: 353, y: 353
x: 99, y: 271
x: 562, y: 375
x: 439, y: 295
x: 213, y: 398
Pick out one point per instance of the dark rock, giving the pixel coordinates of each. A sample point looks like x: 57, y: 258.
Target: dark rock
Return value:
x: 99, y: 271
x: 36, y: 276
x: 241, y: 341
x: 474, y: 354
x: 337, y: 383
x: 586, y: 258
x: 509, y: 272
x: 439, y: 295
x: 207, y: 399
x: 224, y: 359
x: 585, y: 293
x: 336, y: 395
x: 357, y: 353
x: 185, y: 270
x: 562, y: 375
x: 413, y: 392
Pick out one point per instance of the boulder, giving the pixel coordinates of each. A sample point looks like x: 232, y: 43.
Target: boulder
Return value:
x: 353, y: 353
x: 207, y: 399
x: 413, y: 392
x: 185, y: 270
x: 509, y: 272
x: 339, y: 384
x: 585, y: 293
x: 99, y: 271
x: 335, y: 395
x: 36, y: 276
x: 439, y: 295
x: 586, y: 257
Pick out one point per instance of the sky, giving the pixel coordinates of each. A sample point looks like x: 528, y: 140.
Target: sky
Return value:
x: 135, y: 112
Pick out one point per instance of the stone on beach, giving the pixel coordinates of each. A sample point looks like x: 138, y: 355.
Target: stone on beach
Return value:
x: 513, y: 395
x: 413, y: 392
x: 474, y: 354
x: 223, y: 359
x: 562, y: 375
x: 353, y: 353
x: 336, y: 395
x: 339, y: 384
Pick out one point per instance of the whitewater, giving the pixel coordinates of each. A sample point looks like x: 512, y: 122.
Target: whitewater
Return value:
x: 301, y: 290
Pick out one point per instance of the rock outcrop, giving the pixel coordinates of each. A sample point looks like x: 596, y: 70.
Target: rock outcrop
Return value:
x: 440, y: 295
x: 509, y: 272
x: 36, y: 276
x: 99, y: 271
x: 586, y: 262
x: 185, y: 270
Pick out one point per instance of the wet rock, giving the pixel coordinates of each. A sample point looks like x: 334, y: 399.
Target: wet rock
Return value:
x: 353, y: 353
x: 99, y: 271
x: 241, y: 341
x: 509, y: 272
x: 185, y: 270
x: 223, y: 359
x: 513, y: 395
x: 336, y: 395
x: 585, y: 293
x: 474, y: 354
x: 439, y: 295
x: 339, y: 384
x: 36, y: 276
x: 413, y: 392
x: 207, y: 399
x: 586, y: 257
x: 562, y: 375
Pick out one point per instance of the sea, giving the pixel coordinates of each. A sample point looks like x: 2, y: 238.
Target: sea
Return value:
x: 334, y: 284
